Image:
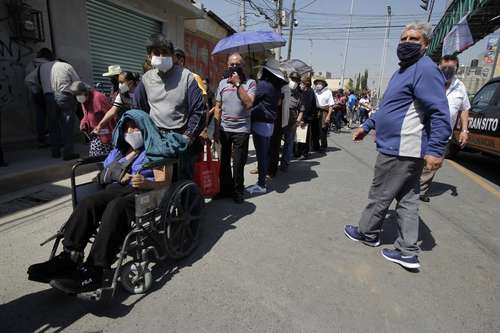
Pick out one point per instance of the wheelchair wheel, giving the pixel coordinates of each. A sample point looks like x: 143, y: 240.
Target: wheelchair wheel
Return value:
x: 181, y: 214
x: 135, y: 279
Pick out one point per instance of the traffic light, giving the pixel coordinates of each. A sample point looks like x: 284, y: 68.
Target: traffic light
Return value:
x: 424, y: 5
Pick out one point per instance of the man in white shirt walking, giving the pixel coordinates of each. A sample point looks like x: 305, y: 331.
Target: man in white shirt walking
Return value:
x: 459, y: 105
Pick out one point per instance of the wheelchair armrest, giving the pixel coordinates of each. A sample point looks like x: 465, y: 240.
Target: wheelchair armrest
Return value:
x: 159, y: 163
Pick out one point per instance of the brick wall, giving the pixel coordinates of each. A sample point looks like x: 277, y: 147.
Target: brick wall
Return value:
x: 199, y: 60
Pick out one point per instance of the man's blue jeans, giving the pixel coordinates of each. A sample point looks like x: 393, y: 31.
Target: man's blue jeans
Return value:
x: 262, y: 144
x: 61, y: 114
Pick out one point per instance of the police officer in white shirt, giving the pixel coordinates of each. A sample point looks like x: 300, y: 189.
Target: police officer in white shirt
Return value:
x: 459, y: 105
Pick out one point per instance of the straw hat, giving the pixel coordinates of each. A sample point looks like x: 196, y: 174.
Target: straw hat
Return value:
x: 319, y: 78
x: 113, y: 70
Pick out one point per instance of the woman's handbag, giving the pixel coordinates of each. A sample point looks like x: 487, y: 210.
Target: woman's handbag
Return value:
x: 206, y: 173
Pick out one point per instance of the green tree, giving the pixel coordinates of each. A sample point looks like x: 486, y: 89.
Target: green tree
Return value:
x: 358, y: 82
x: 349, y: 85
x: 364, y: 80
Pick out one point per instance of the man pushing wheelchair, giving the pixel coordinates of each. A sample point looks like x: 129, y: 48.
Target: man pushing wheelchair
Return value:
x: 172, y: 117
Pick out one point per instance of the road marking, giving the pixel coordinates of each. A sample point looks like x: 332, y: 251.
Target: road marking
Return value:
x: 478, y: 180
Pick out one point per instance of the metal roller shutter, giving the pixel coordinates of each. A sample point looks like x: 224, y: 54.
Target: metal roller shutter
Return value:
x: 117, y: 37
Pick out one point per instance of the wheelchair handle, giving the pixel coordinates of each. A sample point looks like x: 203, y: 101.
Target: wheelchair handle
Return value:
x: 79, y: 163
x: 90, y: 160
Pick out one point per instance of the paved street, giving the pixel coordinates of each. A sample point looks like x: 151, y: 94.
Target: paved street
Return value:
x: 281, y: 263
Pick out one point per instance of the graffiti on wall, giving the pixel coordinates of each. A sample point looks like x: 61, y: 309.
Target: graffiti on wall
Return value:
x: 15, y: 106
x: 14, y: 57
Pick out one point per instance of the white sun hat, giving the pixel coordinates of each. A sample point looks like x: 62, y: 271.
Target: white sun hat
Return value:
x: 113, y: 70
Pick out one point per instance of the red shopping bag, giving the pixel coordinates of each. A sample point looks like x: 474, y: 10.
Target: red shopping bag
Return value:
x: 206, y: 173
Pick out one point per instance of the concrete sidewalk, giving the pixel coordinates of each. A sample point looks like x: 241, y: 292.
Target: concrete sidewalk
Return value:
x: 31, y: 166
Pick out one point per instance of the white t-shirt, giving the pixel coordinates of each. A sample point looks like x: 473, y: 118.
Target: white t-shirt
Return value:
x: 118, y: 100
x: 57, y: 76
x: 457, y: 100
x: 324, y: 98
x: 363, y: 101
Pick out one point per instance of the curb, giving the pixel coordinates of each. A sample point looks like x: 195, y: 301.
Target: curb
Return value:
x: 39, y: 175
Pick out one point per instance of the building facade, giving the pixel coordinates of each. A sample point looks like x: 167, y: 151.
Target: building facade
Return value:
x: 88, y: 34
x: 200, y: 38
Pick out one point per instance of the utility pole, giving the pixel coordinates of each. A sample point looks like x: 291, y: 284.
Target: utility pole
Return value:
x: 384, y: 51
x: 428, y: 5
x: 243, y: 17
x: 346, y: 45
x: 279, y: 23
x: 290, y: 36
x: 430, y: 10
x: 311, y: 51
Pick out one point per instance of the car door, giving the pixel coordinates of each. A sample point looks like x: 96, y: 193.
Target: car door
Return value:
x: 484, y: 118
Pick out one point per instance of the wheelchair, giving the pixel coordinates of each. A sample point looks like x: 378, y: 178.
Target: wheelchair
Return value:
x: 166, y: 226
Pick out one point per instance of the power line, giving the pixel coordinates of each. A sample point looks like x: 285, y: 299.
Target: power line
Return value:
x: 261, y: 11
x: 359, y: 27
x: 340, y: 39
x: 232, y: 2
x: 363, y: 15
x: 309, y: 4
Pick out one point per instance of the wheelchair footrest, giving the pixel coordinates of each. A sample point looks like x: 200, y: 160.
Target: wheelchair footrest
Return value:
x: 97, y: 295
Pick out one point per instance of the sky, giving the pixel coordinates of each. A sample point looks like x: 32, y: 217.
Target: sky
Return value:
x: 316, y: 20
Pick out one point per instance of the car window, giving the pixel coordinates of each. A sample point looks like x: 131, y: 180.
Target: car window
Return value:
x: 496, y: 100
x: 484, y: 96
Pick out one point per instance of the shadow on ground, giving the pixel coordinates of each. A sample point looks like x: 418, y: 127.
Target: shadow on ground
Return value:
x: 391, y: 231
x: 437, y: 189
x: 33, y: 199
x: 485, y: 166
x: 298, y: 172
x: 52, y: 310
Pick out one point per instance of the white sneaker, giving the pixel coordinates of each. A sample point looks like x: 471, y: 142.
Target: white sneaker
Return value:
x: 256, y: 189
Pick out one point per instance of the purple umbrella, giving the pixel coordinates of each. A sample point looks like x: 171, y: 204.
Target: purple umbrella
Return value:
x: 249, y: 41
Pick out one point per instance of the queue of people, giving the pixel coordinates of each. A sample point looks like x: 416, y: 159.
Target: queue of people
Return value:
x: 178, y: 100
x: 413, y: 124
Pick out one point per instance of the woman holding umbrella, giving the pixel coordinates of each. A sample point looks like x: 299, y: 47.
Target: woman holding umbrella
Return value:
x: 263, y: 115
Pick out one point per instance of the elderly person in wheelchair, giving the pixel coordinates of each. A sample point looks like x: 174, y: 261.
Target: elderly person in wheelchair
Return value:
x: 107, y: 214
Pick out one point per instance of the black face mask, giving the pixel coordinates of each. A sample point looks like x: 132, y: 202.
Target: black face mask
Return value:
x: 238, y: 70
x: 408, y: 53
x: 449, y: 72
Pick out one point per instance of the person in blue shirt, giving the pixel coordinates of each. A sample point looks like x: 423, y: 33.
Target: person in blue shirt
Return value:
x: 352, y: 100
x: 412, y: 129
x: 109, y: 211
x: 263, y: 116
